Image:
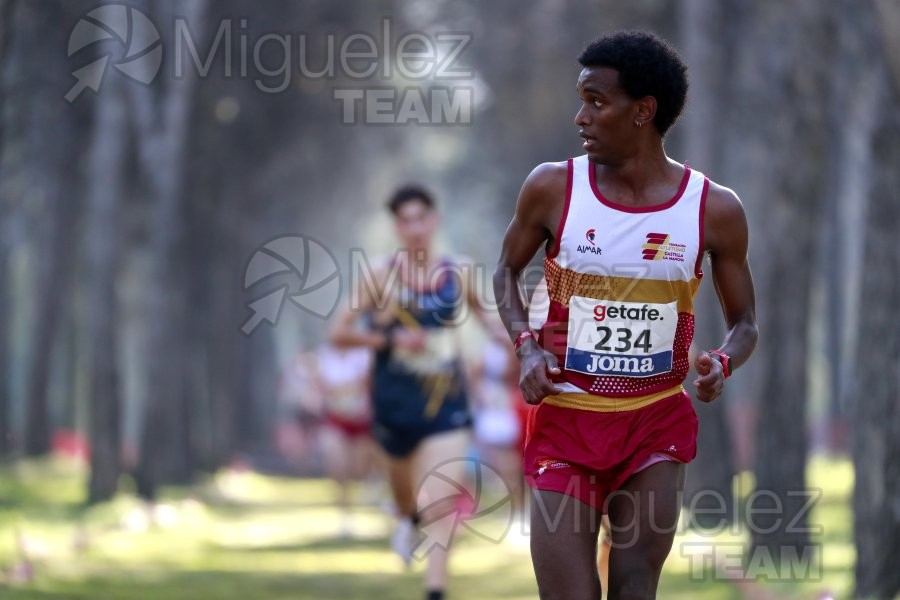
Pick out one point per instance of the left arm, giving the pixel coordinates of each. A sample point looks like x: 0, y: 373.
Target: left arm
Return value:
x: 726, y: 239
x: 476, y: 303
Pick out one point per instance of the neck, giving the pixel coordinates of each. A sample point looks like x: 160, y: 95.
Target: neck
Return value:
x: 416, y: 258
x: 633, y: 179
x: 416, y: 267
x: 644, y: 167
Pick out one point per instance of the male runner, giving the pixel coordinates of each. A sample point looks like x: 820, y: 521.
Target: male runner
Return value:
x: 414, y: 304
x: 625, y: 229
x: 342, y: 377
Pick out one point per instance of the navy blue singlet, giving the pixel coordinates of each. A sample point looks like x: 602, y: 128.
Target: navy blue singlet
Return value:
x: 417, y: 394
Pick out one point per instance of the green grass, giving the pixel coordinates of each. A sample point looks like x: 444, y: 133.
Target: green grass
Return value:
x: 242, y: 536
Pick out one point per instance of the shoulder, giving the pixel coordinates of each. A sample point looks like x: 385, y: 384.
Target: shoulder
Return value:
x: 724, y: 220
x: 547, y: 177
x: 723, y: 202
x: 373, y: 274
x: 544, y: 192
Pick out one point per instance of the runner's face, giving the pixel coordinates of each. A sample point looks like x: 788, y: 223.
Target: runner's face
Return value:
x: 606, y: 118
x: 415, y: 224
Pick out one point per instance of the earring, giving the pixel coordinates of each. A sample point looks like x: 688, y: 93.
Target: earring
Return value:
x: 638, y: 123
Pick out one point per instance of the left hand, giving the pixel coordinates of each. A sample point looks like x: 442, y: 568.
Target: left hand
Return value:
x: 711, y: 378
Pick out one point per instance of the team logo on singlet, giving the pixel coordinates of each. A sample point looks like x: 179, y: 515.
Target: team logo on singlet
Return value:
x: 660, y: 247
x: 591, y: 236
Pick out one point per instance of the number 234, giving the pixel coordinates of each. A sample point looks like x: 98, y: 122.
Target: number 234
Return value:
x: 623, y: 339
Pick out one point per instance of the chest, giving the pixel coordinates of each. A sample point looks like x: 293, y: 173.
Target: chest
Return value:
x: 598, y: 240
x: 433, y: 306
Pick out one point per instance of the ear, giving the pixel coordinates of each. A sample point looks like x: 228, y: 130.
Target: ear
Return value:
x: 646, y: 110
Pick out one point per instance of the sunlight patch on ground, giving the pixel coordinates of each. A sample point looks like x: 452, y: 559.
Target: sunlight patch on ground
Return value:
x: 241, y: 534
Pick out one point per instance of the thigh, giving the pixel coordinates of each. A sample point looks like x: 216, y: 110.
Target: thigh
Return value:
x: 362, y: 455
x: 439, y: 466
x: 643, y: 517
x: 446, y: 450
x: 564, y: 546
x: 336, y: 450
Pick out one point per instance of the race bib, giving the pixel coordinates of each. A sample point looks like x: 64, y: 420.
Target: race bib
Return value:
x: 628, y: 339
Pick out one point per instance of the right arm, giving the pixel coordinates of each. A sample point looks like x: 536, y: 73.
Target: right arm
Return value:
x: 538, y: 212
x: 344, y: 333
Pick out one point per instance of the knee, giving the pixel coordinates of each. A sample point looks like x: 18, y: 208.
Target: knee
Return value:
x: 634, y: 578
x: 564, y: 571
x: 636, y: 585
x: 631, y: 591
x: 434, y: 508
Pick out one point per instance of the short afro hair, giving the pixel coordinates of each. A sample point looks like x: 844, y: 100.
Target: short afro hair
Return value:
x: 648, y: 66
x: 410, y: 193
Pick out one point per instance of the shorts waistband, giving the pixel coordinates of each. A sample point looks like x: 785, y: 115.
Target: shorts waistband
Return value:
x: 595, y: 403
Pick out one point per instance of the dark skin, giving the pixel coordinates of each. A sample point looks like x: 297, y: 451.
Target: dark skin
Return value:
x: 631, y: 169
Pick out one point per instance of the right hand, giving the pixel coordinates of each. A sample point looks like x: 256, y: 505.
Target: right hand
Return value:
x: 413, y: 340
x: 710, y: 379
x: 536, y: 367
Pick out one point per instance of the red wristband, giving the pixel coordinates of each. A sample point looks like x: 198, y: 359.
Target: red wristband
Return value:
x: 724, y: 360
x: 520, y: 339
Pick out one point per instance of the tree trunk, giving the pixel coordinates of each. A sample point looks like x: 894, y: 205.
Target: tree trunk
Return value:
x: 856, y: 90
x: 163, y: 126
x: 105, y: 194
x: 876, y: 406
x: 6, y: 30
x: 708, y: 486
x: 776, y: 164
x: 56, y: 184
x: 220, y: 276
x: 5, y: 371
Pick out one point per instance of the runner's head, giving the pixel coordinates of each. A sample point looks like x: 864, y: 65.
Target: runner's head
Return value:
x: 415, y: 217
x: 632, y: 82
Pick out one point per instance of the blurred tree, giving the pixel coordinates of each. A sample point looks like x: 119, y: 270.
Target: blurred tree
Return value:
x: 876, y: 444
x: 285, y: 184
x: 54, y: 181
x: 877, y: 404
x: 703, y: 30
x: 161, y: 114
x: 853, y: 98
x: 6, y: 31
x: 216, y: 260
x: 106, y: 192
x: 776, y: 159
